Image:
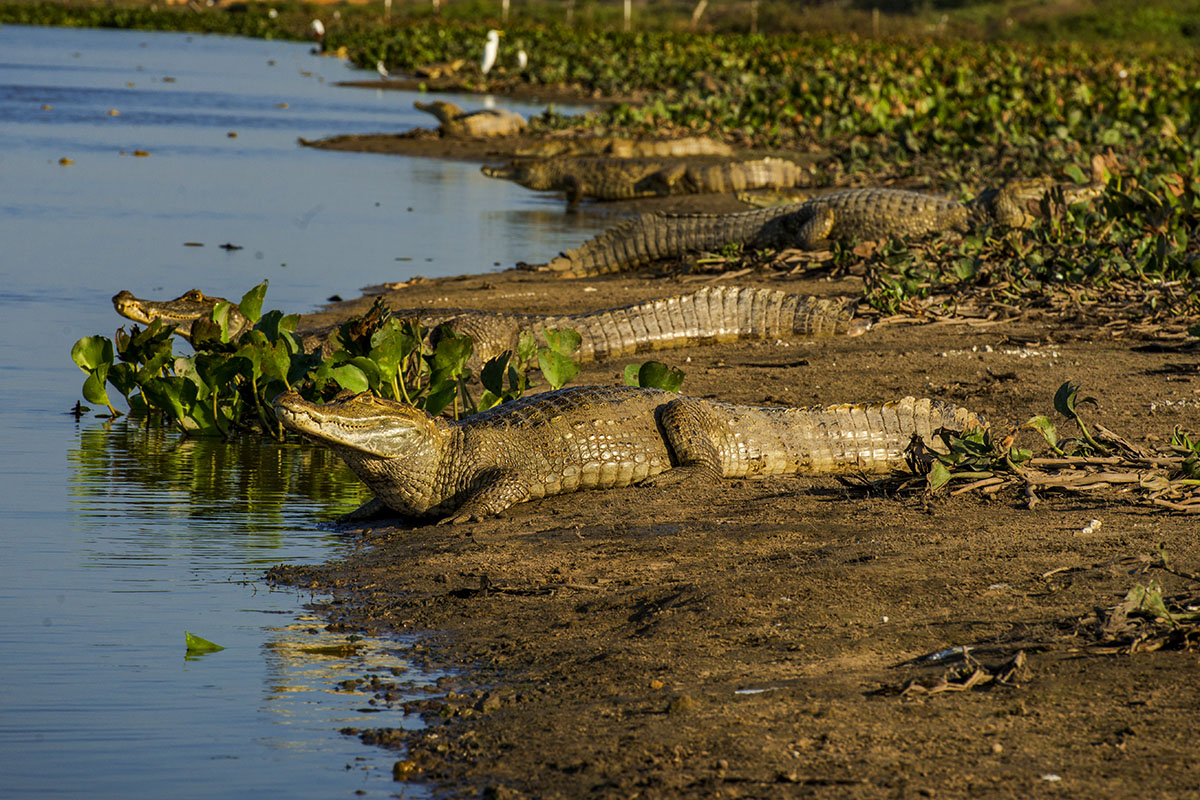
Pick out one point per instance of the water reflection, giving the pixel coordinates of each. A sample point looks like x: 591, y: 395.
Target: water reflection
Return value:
x: 260, y: 486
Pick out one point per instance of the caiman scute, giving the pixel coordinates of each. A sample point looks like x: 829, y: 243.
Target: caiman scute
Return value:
x: 598, y: 437
x: 606, y: 178
x: 848, y: 215
x: 619, y: 147
x: 475, y: 124
x: 712, y: 314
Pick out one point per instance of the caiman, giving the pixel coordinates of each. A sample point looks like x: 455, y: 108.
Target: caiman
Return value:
x: 712, y: 314
x: 618, y: 147
x: 480, y: 124
x: 607, y: 178
x: 849, y: 215
x: 598, y: 437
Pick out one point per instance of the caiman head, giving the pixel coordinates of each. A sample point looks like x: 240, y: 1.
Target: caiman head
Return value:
x: 180, y: 312
x: 361, y: 424
x: 440, y: 108
x: 511, y: 171
x: 1018, y: 204
x: 393, y: 448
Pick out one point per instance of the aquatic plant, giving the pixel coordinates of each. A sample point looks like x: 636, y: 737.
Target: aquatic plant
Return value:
x: 227, y: 384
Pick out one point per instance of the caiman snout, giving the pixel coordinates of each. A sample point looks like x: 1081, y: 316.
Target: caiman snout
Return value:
x: 121, y: 301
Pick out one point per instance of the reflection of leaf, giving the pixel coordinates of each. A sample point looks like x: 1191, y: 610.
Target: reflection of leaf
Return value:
x: 198, y: 646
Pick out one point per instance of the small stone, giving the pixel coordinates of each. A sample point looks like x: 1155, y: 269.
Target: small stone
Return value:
x: 488, y: 703
x: 683, y: 704
x: 997, y: 748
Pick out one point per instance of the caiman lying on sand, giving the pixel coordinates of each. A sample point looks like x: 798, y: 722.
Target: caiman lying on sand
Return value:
x: 849, y: 215
x: 712, y: 314
x: 606, y: 178
x: 597, y: 437
x: 483, y: 123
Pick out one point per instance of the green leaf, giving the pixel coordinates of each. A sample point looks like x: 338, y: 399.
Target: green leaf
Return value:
x: 369, y: 369
x: 94, y: 390
x: 654, y: 375
x: 92, y: 351
x: 938, y: 476
x: 220, y: 315
x: 274, y: 325
x: 493, y: 372
x: 1067, y: 398
x: 174, y: 396
x: 199, y: 646
x: 123, y: 377
x: 527, y: 346
x: 440, y: 397
x: 251, y: 304
x: 450, y: 356
x: 1043, y: 425
x: 351, y: 377
x: 563, y: 341
x: 631, y: 374
x: 556, y: 367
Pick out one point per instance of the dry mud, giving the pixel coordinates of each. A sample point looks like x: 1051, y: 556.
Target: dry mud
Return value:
x: 753, y: 638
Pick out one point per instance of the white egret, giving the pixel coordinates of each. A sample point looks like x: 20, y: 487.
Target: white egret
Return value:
x: 318, y: 29
x: 382, y: 70
x: 490, y: 51
x: 522, y: 56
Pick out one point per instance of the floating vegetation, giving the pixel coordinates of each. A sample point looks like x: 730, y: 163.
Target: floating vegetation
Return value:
x: 243, y: 358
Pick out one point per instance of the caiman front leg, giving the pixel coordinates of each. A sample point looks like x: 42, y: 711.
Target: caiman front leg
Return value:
x: 495, y: 491
x: 814, y: 234
x: 574, y: 189
x: 690, y: 433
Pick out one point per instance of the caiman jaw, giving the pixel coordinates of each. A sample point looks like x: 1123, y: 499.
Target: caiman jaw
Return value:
x: 130, y: 307
x: 364, y: 423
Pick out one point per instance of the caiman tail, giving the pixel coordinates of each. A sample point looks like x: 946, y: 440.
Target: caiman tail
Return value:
x: 741, y: 441
x: 652, y: 237
x: 712, y: 314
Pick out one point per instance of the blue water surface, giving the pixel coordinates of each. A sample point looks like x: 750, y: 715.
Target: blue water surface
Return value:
x: 114, y: 539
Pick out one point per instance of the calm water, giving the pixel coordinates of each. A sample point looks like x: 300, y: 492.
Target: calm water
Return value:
x: 115, y: 540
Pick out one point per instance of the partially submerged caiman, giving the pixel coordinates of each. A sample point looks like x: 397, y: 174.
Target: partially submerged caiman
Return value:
x: 606, y: 178
x: 712, y: 314
x: 598, y: 437
x: 849, y: 215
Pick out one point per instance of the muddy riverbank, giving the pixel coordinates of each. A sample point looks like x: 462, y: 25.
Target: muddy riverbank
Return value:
x: 755, y: 638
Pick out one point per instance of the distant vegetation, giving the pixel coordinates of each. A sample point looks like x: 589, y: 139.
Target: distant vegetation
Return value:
x: 1166, y: 23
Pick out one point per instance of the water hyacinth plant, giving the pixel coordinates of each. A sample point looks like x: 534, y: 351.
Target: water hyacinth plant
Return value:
x: 227, y: 384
